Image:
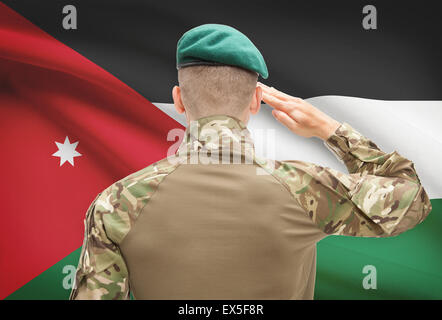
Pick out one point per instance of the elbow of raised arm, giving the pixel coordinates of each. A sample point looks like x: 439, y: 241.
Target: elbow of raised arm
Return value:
x: 417, y: 212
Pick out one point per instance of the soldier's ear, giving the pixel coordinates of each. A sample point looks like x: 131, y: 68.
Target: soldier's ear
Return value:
x: 255, y: 104
x: 176, y: 95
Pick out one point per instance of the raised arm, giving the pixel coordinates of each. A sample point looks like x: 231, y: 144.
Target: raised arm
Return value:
x: 382, y: 196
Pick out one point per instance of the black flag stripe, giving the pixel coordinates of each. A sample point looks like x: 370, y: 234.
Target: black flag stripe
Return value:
x: 312, y: 48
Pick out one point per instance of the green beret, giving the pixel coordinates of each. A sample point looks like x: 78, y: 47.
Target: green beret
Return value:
x: 217, y: 44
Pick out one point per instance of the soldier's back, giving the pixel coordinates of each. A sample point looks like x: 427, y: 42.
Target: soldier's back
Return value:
x: 221, y: 231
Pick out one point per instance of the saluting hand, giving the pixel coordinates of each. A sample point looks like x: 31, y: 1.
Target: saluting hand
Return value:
x: 298, y: 115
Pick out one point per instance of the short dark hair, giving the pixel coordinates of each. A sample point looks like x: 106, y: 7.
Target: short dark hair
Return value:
x: 208, y: 90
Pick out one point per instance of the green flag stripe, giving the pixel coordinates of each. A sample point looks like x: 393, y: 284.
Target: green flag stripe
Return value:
x: 53, y: 284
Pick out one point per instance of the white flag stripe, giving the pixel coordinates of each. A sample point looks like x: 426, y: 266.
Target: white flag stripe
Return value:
x: 412, y: 128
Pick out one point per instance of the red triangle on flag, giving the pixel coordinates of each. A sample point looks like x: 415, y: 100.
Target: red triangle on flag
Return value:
x: 50, y: 92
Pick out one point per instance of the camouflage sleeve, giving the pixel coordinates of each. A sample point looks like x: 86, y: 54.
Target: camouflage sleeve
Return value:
x: 381, y: 196
x: 102, y: 273
x: 361, y: 155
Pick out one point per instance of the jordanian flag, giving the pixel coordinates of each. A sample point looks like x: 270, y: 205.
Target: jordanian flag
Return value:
x: 84, y: 106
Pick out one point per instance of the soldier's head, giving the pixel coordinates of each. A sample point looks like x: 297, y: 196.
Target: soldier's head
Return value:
x: 218, y: 69
x: 210, y: 90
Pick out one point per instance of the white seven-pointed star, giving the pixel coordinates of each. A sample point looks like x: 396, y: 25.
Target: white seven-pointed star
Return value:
x: 66, y: 151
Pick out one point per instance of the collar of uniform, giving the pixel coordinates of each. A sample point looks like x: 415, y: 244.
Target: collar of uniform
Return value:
x: 217, y: 132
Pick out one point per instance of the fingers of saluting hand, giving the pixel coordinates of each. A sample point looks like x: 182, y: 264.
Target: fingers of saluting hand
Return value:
x: 278, y: 94
x: 275, y: 102
x: 286, y: 120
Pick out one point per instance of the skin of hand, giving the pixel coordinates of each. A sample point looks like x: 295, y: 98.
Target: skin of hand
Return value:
x: 298, y: 115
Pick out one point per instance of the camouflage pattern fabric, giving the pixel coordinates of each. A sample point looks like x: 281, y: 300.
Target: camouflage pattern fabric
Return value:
x: 381, y: 196
x: 102, y: 272
x: 214, y: 139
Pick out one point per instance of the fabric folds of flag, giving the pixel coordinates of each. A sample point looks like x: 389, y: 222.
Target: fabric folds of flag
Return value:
x: 69, y: 129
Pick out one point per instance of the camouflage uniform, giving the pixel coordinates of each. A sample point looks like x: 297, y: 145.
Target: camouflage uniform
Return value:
x: 217, y: 231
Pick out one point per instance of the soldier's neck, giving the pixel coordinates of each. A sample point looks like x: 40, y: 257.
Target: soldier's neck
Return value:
x: 244, y: 117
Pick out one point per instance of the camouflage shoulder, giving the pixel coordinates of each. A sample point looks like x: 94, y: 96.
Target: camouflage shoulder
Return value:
x: 120, y: 204
x: 316, y: 188
x: 297, y: 174
x: 289, y: 173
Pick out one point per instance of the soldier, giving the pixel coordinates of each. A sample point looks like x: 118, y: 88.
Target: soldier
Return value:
x: 191, y: 226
